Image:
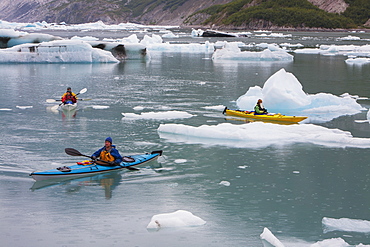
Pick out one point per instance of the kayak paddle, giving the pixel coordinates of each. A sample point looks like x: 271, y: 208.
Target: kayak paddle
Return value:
x: 82, y: 91
x: 74, y: 152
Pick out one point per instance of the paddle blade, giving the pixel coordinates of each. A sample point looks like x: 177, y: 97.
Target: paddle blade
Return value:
x: 73, y: 152
x: 84, y: 90
x: 50, y: 100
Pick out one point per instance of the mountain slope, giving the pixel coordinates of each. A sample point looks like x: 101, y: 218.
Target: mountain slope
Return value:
x: 168, y: 12
x: 250, y: 14
x: 288, y: 14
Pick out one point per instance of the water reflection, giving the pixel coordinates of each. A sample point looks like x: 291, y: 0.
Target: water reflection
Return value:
x: 108, y: 181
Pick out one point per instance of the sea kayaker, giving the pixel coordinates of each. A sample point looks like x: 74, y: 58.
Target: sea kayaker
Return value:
x: 69, y: 90
x: 68, y: 98
x: 108, y: 153
x: 259, y: 109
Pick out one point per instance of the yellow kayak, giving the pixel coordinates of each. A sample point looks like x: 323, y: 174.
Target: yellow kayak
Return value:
x: 265, y: 117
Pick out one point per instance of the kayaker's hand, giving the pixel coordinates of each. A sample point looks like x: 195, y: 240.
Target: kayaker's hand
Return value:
x: 112, y: 163
x: 93, y: 157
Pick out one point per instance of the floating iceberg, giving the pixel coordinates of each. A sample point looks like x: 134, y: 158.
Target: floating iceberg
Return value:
x: 332, y: 50
x: 259, y: 135
x: 231, y: 51
x: 357, y: 61
x: 180, y: 218
x: 269, y: 240
x: 61, y: 51
x: 123, y: 49
x: 283, y: 93
x: 155, y: 43
x: 345, y: 225
x: 157, y: 115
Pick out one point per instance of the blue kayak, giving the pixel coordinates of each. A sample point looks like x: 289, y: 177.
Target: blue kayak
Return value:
x: 89, y: 169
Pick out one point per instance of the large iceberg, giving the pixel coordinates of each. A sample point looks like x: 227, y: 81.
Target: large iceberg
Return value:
x: 61, y: 51
x: 283, y: 93
x: 128, y: 48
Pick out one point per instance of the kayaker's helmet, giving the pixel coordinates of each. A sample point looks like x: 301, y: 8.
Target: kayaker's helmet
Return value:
x: 109, y: 139
x: 259, y: 101
x: 69, y: 89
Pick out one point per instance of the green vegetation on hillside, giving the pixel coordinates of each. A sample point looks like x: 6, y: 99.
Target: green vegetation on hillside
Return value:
x: 283, y: 13
x: 358, y: 11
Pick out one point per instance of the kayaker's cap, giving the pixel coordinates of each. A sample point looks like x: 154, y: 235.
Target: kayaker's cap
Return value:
x: 109, y: 140
x: 69, y: 89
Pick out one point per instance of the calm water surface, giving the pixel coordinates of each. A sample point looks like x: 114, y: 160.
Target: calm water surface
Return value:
x: 288, y: 189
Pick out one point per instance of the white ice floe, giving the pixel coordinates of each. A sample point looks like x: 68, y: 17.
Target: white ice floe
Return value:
x: 283, y: 93
x: 157, y: 115
x: 155, y: 43
x: 357, y: 61
x: 100, y: 107
x: 269, y: 240
x: 356, y: 97
x: 346, y: 50
x: 60, y: 51
x: 273, y: 35
x: 215, y: 107
x: 349, y: 37
x: 333, y: 242
x: 169, y: 34
x: 231, y: 51
x: 179, y: 161
x: 180, y: 218
x: 225, y: 183
x: 345, y: 225
x: 289, y: 45
x: 138, y: 108
x: 259, y: 134
x: 24, y: 107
